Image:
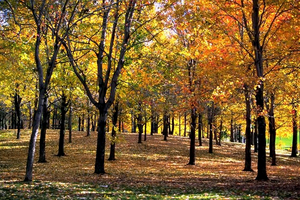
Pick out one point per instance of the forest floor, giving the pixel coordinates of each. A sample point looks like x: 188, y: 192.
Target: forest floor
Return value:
x: 155, y: 169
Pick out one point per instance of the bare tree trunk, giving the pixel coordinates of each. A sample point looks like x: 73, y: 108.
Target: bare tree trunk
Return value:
x: 200, y: 129
x: 63, y: 109
x: 295, y: 132
x: 193, y: 137
x: 113, y: 132
x: 70, y: 124
x: 42, y: 156
x: 17, y: 100
x: 248, y: 131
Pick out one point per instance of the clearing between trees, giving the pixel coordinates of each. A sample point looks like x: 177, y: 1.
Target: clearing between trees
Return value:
x: 155, y: 169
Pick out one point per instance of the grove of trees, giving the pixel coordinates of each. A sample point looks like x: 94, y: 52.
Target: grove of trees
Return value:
x: 215, y: 68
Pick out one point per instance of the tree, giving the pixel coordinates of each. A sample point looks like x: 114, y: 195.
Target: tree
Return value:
x: 106, y: 77
x: 41, y: 20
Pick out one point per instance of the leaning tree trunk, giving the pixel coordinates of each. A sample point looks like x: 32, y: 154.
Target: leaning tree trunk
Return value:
x: 248, y: 130
x: 113, y: 132
x: 193, y: 137
x: 32, y: 143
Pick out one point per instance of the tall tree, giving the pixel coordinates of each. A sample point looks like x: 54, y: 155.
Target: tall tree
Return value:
x: 38, y: 16
x: 107, y: 72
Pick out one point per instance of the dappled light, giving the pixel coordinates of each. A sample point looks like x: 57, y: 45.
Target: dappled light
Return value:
x: 155, y: 167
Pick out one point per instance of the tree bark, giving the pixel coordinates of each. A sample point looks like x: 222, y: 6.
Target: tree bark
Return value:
x: 88, y: 128
x: 193, y: 137
x: 70, y: 124
x: 210, y: 115
x: 145, y: 135
x: 63, y: 110
x: 100, y: 152
x: 17, y: 102
x: 258, y: 50
x: 184, y: 133
x: 255, y: 137
x: 210, y: 150
x: 42, y: 155
x: 295, y: 132
x: 248, y: 129
x: 221, y: 129
x: 272, y: 130
x: 79, y: 123
x: 113, y: 132
x: 165, y: 126
x: 140, y: 123
x: 200, y: 129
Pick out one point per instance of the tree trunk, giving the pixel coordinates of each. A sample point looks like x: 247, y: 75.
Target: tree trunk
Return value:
x: 63, y: 109
x: 70, y: 124
x: 100, y: 153
x: 210, y: 137
x: 193, y: 137
x: 140, y: 123
x: 93, y: 122
x: 32, y: 143
x: 133, y: 125
x: 184, y: 133
x: 145, y: 135
x: 272, y: 130
x: 200, y: 129
x: 231, y: 129
x: 165, y: 128
x: 215, y: 135
x: 258, y: 50
x: 88, y: 128
x: 82, y: 122
x: 79, y: 123
x: 113, y: 132
x: 210, y: 117
x: 17, y: 100
x: 248, y: 130
x: 221, y: 128
x: 255, y: 137
x: 179, y: 123
x: 295, y: 133
x: 42, y: 156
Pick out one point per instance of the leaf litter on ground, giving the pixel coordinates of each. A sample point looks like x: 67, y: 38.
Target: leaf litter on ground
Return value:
x: 155, y: 169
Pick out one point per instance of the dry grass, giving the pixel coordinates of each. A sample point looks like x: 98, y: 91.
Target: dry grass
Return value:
x: 153, y: 167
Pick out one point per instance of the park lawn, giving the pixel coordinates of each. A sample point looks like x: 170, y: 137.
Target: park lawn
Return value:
x: 155, y: 169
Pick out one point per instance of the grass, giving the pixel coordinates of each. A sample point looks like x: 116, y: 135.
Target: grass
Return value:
x: 155, y: 169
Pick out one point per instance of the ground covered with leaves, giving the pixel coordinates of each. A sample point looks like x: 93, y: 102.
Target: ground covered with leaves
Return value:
x: 155, y: 169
